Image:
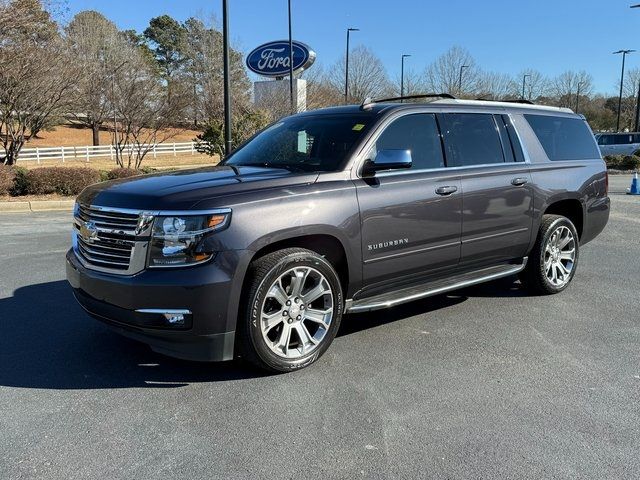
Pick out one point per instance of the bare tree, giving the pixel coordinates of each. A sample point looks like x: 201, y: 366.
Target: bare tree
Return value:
x: 203, y: 72
x: 443, y: 75
x: 496, y: 86
x: 97, y: 48
x: 564, y: 87
x: 414, y: 83
x: 536, y: 85
x: 146, y: 114
x: 36, y: 75
x: 367, y: 75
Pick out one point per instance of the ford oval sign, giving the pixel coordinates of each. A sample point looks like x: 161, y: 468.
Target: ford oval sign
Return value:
x: 272, y: 59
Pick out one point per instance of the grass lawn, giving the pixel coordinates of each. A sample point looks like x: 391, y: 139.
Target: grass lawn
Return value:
x: 105, y: 163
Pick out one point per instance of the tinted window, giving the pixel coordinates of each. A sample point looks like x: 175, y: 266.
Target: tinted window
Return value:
x: 471, y: 139
x: 307, y: 143
x: 564, y: 138
x: 417, y: 133
x: 504, y: 138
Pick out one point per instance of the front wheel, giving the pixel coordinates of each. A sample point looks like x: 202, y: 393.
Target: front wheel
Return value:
x: 293, y: 310
x: 554, y: 258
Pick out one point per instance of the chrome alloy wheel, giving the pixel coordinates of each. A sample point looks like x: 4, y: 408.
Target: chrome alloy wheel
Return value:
x: 560, y: 256
x: 297, y: 312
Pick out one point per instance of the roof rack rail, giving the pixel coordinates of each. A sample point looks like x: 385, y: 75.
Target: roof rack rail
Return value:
x: 518, y: 100
x: 368, y: 102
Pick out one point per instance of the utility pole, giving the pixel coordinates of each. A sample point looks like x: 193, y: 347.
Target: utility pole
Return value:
x: 402, y: 76
x: 227, y: 79
x: 293, y: 107
x: 346, y: 67
x: 624, y: 54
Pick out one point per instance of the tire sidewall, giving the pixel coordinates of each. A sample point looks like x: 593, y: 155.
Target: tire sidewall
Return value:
x: 257, y: 297
x: 546, y: 234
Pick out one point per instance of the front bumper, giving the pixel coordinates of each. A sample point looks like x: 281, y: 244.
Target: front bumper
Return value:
x: 209, y: 291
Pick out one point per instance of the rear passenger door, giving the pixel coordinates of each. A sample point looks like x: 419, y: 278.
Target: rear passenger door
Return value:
x: 496, y: 186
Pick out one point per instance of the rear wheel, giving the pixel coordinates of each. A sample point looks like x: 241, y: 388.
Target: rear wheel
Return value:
x: 554, y: 258
x: 293, y: 310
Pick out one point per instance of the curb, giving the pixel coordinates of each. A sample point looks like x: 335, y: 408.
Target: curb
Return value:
x: 36, y: 206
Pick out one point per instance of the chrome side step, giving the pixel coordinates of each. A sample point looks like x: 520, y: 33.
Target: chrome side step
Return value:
x: 408, y: 294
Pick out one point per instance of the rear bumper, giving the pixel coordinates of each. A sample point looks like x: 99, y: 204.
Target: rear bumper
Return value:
x: 209, y: 292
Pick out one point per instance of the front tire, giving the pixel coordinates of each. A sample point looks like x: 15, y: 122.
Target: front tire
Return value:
x: 554, y: 258
x: 292, y: 310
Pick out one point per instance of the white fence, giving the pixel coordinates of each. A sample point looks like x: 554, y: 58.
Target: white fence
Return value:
x: 86, y: 153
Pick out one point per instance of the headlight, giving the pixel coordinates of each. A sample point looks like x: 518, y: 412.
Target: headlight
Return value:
x: 177, y: 240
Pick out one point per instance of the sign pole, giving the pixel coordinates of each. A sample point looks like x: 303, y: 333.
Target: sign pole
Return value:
x: 293, y: 108
x: 227, y: 80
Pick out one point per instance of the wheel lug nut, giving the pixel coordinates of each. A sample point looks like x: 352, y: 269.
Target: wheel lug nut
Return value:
x: 298, y: 317
x: 288, y: 302
x: 290, y: 320
x: 285, y: 313
x: 302, y: 307
x: 297, y: 300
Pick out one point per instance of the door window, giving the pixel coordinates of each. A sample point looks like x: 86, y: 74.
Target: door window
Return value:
x: 417, y: 133
x: 471, y: 139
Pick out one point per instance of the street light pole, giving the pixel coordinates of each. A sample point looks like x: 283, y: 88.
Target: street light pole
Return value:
x: 624, y: 54
x: 578, y: 96
x: 637, y: 122
x: 524, y: 83
x: 346, y: 67
x: 462, y: 67
x: 293, y: 108
x: 227, y: 79
x: 402, y: 76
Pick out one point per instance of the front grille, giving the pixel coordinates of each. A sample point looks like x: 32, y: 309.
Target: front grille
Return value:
x: 113, y: 244
x: 109, y: 219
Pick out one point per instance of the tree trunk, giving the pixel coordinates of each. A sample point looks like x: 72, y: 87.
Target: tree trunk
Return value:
x: 95, y: 128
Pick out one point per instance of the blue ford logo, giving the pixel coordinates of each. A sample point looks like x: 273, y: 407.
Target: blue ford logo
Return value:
x: 272, y: 59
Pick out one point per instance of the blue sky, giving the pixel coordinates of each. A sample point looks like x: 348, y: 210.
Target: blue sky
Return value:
x: 503, y: 35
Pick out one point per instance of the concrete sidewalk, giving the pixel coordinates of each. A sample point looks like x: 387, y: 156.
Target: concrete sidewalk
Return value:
x: 36, y: 206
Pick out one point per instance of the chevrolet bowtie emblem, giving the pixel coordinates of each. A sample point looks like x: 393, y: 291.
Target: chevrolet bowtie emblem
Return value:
x: 88, y: 231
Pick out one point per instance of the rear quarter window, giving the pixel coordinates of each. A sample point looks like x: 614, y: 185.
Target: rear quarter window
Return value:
x: 564, y: 138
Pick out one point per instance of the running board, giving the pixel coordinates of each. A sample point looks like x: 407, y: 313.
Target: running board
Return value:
x: 436, y: 287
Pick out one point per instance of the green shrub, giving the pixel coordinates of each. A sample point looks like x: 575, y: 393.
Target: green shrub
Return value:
x: 623, y: 162
x: 630, y: 162
x: 122, y: 173
x: 61, y: 180
x: 21, y: 182
x: 7, y: 179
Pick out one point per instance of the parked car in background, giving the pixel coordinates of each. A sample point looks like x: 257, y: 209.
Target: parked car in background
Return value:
x: 345, y: 209
x: 618, y: 143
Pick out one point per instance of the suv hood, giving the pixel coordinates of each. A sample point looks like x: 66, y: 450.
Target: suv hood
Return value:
x: 181, y: 190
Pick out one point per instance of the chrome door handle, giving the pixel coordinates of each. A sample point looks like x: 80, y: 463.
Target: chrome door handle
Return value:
x: 518, y: 182
x: 446, y: 190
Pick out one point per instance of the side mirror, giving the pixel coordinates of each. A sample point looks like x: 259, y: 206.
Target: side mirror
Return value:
x: 389, y: 159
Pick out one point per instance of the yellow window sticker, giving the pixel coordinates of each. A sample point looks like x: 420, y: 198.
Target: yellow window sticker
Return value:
x: 358, y: 126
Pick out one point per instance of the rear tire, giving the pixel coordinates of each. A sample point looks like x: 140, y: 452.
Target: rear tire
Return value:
x: 554, y: 258
x: 292, y: 310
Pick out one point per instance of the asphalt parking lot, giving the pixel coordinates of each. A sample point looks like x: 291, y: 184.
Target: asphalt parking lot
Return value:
x: 484, y: 383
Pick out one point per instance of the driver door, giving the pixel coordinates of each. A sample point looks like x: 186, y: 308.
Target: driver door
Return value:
x: 411, y: 219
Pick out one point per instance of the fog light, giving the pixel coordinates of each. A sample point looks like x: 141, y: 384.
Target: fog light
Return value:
x: 174, y: 318
x: 166, y: 317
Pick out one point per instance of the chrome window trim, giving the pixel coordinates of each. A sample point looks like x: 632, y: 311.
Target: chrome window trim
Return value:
x: 375, y: 134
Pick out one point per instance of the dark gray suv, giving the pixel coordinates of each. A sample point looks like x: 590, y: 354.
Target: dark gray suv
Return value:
x: 339, y: 210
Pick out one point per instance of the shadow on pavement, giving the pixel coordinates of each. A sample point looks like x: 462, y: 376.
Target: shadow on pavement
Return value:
x: 47, y: 341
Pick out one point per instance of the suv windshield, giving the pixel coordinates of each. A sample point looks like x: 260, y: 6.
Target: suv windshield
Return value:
x: 310, y: 143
